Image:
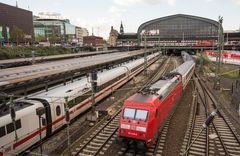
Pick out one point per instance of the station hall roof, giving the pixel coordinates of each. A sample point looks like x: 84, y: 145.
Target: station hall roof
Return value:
x: 176, y: 26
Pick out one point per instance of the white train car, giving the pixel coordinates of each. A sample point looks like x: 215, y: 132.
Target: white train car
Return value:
x: 27, y: 124
x: 53, y: 102
x: 186, y: 69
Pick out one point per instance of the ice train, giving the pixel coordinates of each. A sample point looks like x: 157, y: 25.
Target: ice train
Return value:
x: 27, y: 132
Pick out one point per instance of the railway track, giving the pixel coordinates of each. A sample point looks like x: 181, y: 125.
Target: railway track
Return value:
x: 220, y: 138
x: 101, y: 139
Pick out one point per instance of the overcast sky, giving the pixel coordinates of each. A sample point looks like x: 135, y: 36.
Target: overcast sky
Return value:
x: 102, y: 14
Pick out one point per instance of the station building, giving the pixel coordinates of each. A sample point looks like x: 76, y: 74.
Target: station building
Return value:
x: 11, y: 16
x: 178, y: 29
x: 175, y: 30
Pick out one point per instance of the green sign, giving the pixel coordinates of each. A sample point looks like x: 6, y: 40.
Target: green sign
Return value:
x: 1, y: 36
x: 8, y: 33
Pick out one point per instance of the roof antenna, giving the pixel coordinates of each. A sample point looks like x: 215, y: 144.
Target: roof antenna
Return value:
x: 17, y: 4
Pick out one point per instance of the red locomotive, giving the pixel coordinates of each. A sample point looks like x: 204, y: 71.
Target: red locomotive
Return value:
x: 143, y: 114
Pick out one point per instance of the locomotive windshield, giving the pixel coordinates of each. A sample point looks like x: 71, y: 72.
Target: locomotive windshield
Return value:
x: 141, y: 115
x: 129, y: 113
x: 135, y: 114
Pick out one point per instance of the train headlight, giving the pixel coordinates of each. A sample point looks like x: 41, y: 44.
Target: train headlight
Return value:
x: 125, y: 126
x: 142, y: 129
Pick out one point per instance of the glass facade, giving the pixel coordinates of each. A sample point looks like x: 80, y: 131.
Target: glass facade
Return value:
x: 59, y: 28
x: 178, y: 28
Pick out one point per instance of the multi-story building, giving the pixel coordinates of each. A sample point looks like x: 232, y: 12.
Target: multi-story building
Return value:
x: 14, y: 17
x: 113, y: 35
x: 94, y: 41
x: 85, y: 32
x: 80, y: 33
x: 53, y: 27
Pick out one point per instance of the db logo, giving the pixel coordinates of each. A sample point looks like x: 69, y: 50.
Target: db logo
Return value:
x: 133, y: 127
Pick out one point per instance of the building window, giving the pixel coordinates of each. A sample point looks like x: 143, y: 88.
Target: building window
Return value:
x: 2, y: 131
x: 58, y: 110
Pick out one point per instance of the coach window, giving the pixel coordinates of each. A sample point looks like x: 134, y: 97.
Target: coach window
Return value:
x: 58, y: 110
x: 71, y: 103
x: 18, y: 124
x: 2, y: 131
x: 10, y: 128
x: 43, y: 121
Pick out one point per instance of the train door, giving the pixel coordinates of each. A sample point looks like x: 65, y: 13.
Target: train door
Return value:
x: 58, y: 111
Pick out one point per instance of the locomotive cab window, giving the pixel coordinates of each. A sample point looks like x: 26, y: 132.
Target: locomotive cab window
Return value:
x: 135, y: 114
x: 129, y: 113
x: 141, y: 115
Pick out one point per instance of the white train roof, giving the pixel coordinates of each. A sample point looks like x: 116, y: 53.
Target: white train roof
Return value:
x: 183, y: 68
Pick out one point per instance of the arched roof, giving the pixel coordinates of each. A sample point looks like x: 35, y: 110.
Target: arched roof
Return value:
x: 169, y: 18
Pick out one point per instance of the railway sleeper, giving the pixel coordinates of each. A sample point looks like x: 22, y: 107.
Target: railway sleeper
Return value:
x: 86, y: 151
x: 95, y: 144
x: 102, y: 137
x: 82, y: 154
x: 230, y: 139
x: 231, y: 144
x: 200, y: 143
x: 109, y: 128
x: 95, y: 148
x: 107, y: 132
x: 201, y: 137
x: 199, y: 146
x: 113, y: 124
x: 233, y: 151
x: 99, y: 140
x: 102, y: 134
x: 194, y: 148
